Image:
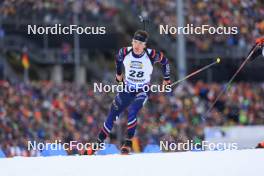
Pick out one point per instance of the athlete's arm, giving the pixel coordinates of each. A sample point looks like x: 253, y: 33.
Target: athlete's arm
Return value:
x: 119, y: 64
x: 158, y: 57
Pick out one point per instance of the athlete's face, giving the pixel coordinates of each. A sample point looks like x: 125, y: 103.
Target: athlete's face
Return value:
x: 138, y: 46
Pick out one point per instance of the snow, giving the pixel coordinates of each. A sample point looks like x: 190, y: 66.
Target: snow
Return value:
x: 209, y: 163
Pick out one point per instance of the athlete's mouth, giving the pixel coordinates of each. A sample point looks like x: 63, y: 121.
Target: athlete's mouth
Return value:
x: 137, y: 50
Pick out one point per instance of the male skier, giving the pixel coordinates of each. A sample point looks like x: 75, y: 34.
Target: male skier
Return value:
x: 138, y: 63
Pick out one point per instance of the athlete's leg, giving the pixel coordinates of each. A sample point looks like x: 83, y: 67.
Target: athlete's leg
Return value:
x: 133, y: 110
x: 121, y: 101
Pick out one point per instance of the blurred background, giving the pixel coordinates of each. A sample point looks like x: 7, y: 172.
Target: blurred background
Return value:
x: 46, y: 88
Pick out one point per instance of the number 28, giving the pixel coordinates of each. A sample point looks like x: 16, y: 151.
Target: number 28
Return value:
x: 134, y: 74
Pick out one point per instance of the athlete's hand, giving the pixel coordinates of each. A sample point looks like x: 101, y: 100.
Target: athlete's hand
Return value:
x: 167, y: 85
x: 166, y: 82
x: 119, y: 78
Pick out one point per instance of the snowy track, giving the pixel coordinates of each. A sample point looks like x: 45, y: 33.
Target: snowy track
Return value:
x: 220, y: 163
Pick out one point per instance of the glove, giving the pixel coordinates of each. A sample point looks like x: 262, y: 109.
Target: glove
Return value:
x: 260, y: 41
x: 166, y: 82
x: 119, y: 79
x: 167, y: 85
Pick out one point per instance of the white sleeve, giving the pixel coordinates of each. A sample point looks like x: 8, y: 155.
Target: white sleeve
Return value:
x: 263, y: 51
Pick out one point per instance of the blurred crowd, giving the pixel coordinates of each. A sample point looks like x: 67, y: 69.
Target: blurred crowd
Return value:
x: 45, y: 112
x: 56, y: 11
x: 244, y: 14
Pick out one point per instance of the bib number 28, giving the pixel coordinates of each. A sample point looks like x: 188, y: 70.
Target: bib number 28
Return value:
x: 138, y: 74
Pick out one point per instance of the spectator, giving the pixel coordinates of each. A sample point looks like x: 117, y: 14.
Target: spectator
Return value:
x: 42, y: 111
